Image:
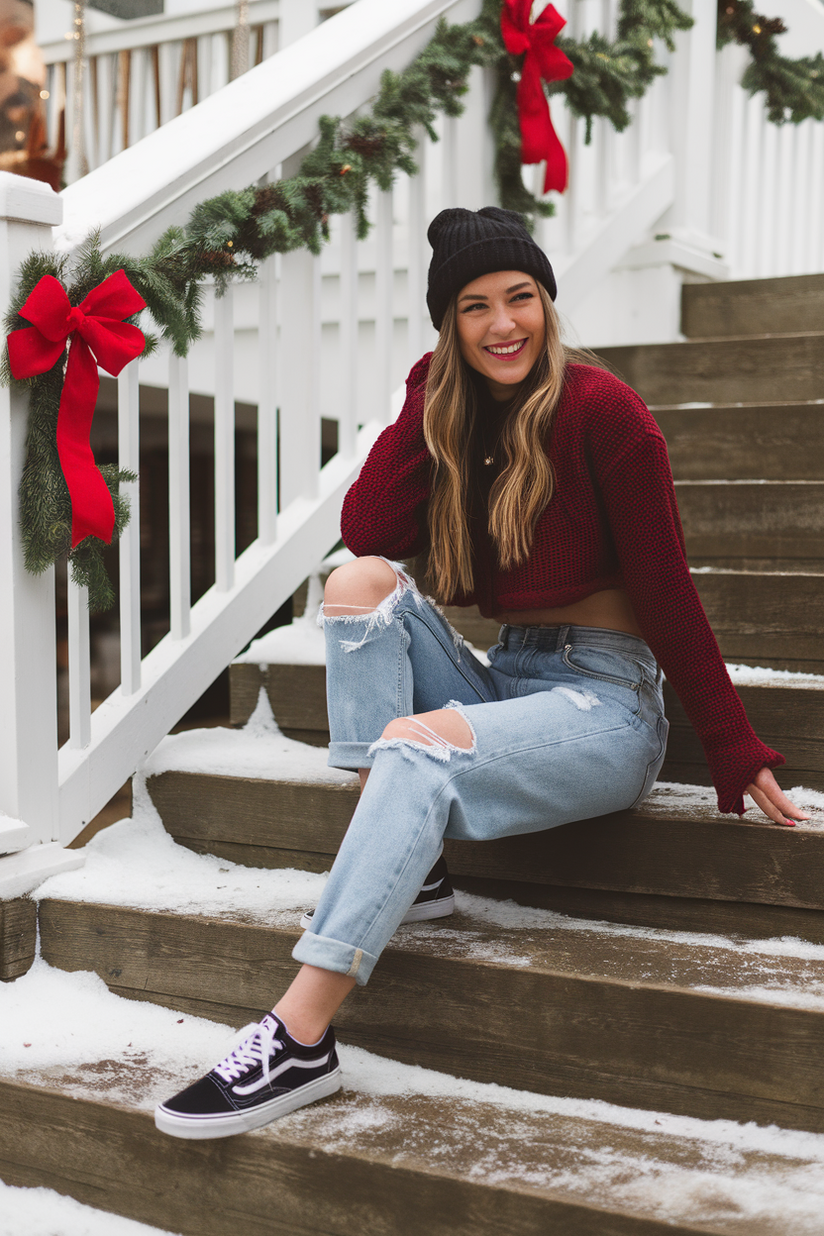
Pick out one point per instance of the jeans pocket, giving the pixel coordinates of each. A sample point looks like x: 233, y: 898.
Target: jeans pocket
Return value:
x: 604, y: 665
x: 654, y: 766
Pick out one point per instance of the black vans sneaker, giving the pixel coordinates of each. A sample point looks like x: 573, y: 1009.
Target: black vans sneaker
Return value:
x: 435, y: 900
x: 267, y: 1075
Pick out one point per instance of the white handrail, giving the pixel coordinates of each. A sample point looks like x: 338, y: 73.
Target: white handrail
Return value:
x: 256, y: 122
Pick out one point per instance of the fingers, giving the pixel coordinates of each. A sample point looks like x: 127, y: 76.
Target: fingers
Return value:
x: 769, y: 808
x: 768, y: 795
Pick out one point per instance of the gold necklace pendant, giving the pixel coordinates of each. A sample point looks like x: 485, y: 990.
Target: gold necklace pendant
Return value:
x: 489, y: 460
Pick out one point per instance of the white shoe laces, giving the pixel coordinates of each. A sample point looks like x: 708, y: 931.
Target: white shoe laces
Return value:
x: 258, y: 1044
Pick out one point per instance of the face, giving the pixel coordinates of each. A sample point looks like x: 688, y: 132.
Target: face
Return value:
x: 501, y: 328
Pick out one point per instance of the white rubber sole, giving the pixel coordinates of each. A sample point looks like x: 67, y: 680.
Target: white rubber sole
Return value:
x: 229, y: 1123
x: 415, y: 914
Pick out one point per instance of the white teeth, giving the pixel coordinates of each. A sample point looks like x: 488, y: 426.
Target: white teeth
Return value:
x: 506, y: 348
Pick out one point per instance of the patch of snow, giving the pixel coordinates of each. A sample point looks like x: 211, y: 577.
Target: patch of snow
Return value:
x: 258, y: 750
x: 52, y: 1018
x: 42, y: 1212
x: 761, y: 676
x: 510, y: 915
x: 137, y: 863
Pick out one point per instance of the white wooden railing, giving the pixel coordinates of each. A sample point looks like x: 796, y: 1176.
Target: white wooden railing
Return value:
x: 329, y: 336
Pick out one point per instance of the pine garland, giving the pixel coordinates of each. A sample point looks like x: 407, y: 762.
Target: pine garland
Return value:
x: 794, y: 89
x: 227, y: 236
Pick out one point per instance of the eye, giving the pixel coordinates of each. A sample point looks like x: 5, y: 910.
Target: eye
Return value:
x: 523, y: 296
x: 478, y: 305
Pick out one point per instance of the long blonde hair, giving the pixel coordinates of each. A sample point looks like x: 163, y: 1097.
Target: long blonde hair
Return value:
x: 526, y: 482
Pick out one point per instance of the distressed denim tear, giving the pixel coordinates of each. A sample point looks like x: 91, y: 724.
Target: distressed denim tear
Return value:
x: 375, y: 618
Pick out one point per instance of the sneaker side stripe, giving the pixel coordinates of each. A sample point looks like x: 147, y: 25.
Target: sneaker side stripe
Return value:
x: 291, y: 1063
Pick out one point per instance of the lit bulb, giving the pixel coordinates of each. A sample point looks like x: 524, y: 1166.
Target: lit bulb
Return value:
x: 19, y: 135
x: 44, y: 94
x: 757, y: 29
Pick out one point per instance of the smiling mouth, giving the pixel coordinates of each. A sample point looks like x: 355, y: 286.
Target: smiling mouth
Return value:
x: 506, y: 349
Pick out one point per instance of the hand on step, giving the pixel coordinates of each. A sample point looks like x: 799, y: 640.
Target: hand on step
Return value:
x: 767, y: 794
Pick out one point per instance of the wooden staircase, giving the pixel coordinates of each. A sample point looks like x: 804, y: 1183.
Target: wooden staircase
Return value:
x: 631, y: 1001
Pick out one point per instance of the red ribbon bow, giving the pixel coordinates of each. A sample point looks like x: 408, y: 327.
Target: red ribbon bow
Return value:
x: 98, y: 336
x: 535, y: 41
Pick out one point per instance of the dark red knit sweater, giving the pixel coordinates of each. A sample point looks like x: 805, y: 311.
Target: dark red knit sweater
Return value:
x: 612, y: 523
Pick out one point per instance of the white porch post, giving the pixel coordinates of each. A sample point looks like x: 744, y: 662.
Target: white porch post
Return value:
x: 28, y: 678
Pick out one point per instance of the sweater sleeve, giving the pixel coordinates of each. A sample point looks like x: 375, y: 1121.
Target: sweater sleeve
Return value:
x: 384, y: 512
x: 631, y: 462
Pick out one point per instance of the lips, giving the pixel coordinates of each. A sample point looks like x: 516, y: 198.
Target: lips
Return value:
x: 506, y: 351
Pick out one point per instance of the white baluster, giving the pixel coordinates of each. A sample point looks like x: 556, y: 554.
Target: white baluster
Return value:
x: 449, y: 162
x: 802, y: 221
x: 814, y: 259
x: 128, y: 439
x: 384, y: 320
x: 299, y: 369
x: 348, y: 336
x: 224, y: 348
x: 267, y: 419
x: 80, y: 704
x: 417, y: 250
x: 180, y: 586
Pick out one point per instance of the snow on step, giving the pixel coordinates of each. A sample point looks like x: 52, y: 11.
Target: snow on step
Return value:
x: 725, y: 1176
x: 136, y: 863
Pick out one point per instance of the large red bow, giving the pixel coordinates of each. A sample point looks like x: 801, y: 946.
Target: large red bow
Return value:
x: 98, y: 336
x: 535, y: 41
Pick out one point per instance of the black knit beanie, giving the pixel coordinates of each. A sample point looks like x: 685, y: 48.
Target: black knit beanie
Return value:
x: 469, y: 243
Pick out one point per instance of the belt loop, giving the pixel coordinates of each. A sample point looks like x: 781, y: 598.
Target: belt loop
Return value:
x: 503, y: 635
x: 562, y: 637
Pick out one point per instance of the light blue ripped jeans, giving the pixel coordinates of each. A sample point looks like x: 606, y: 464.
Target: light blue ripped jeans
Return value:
x: 567, y: 723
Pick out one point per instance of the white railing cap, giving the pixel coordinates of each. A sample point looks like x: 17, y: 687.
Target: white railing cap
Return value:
x: 238, y: 134
x: 31, y: 201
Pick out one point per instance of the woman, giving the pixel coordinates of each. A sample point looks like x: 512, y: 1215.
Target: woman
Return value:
x: 540, y: 490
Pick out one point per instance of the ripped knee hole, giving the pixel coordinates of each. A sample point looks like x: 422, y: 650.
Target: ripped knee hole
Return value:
x: 453, y: 730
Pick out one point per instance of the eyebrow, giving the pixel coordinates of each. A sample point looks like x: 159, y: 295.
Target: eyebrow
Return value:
x: 480, y: 296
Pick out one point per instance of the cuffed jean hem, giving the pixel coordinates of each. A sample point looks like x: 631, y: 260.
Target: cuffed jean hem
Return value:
x: 328, y: 954
x: 350, y: 755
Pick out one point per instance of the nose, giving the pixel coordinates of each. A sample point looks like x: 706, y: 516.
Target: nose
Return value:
x: 503, y: 320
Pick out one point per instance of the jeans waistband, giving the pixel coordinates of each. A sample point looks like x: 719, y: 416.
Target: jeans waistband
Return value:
x: 552, y: 639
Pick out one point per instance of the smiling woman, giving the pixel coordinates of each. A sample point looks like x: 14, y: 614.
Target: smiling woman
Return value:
x: 539, y: 489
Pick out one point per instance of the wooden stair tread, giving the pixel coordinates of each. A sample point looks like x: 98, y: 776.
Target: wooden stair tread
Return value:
x: 788, y: 367
x: 651, y: 1043
x: 668, y: 846
x: 776, y: 441
x: 753, y: 306
x: 404, y: 1163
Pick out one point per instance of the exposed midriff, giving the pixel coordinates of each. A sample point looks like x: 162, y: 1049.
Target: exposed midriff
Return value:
x: 610, y: 608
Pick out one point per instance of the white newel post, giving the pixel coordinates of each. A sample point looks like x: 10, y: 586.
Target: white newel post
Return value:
x: 28, y: 678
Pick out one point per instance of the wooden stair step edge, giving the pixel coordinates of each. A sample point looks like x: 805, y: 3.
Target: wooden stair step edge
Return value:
x: 778, y: 441
x: 591, y: 1022
x: 787, y: 305
x: 674, y: 861
x: 779, y: 519
x: 756, y: 369
x: 788, y: 716
x: 18, y: 937
x: 361, y: 1163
